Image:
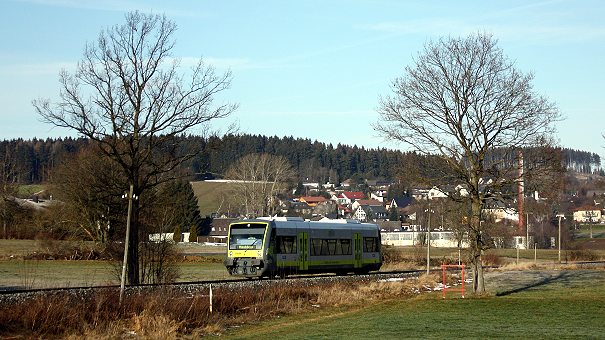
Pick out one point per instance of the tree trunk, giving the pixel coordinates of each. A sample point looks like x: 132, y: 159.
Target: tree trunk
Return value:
x: 476, y: 245
x: 133, y: 246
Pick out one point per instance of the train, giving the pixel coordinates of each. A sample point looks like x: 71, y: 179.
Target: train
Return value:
x: 281, y: 246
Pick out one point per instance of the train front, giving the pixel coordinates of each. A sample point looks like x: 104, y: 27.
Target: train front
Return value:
x: 246, y: 248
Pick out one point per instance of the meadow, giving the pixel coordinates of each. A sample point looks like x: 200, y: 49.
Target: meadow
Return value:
x: 561, y: 305
x: 523, y: 300
x: 23, y: 266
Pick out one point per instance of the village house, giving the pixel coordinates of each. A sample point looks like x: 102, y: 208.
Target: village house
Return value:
x: 499, y: 211
x: 588, y: 214
x: 312, y: 201
x: 348, y: 197
x: 379, y: 195
x: 366, y: 213
x: 370, y: 202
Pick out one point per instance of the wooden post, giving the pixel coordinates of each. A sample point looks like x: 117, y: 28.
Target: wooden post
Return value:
x: 122, y: 283
x: 210, y: 299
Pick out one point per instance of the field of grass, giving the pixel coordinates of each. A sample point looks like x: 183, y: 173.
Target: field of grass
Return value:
x: 199, y: 263
x: 562, y: 306
x: 60, y: 273
x: 212, y: 196
x: 598, y: 231
x: 507, y: 255
x: 28, y: 190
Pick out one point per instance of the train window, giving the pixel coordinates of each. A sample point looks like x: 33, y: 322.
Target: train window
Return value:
x: 322, y: 247
x: 315, y: 247
x: 331, y: 247
x: 370, y: 244
x: 345, y: 246
x: 286, y: 245
x: 246, y: 237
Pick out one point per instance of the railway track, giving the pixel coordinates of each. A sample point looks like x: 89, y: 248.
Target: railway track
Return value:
x: 197, y: 287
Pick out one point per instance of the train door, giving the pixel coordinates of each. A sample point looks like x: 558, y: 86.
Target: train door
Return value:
x: 303, y: 251
x: 357, y: 248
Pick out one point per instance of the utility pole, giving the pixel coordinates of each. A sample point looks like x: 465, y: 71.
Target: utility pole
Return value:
x: 428, y: 242
x: 560, y: 216
x: 526, y: 231
x: 123, y: 279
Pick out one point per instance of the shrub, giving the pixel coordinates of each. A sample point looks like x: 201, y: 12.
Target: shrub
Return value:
x: 582, y: 255
x: 490, y: 259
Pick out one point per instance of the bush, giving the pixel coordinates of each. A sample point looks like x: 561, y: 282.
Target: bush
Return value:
x: 582, y: 255
x: 490, y: 259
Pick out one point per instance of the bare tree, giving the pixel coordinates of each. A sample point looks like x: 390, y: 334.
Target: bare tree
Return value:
x: 129, y: 97
x: 90, y: 186
x: 465, y: 102
x: 8, y: 188
x: 258, y: 178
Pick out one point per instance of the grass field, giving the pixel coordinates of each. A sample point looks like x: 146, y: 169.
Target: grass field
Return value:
x: 211, y: 196
x: 583, y: 232
x: 561, y: 305
x: 59, y: 273
x: 199, y: 263
x: 30, y: 189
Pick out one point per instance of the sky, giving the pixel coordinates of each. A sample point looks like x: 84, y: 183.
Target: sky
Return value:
x: 314, y: 68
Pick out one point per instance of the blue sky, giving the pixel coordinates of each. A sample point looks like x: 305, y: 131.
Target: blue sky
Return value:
x: 314, y: 69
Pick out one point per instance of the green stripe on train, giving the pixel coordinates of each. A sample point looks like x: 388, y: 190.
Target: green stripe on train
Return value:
x: 326, y: 262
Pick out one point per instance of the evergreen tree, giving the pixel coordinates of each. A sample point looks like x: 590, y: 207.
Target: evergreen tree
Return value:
x: 183, y: 204
x: 393, y: 215
x: 176, y: 237
x: 300, y: 189
x: 193, y: 233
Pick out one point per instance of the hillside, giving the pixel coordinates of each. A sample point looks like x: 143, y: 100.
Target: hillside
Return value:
x: 212, y: 196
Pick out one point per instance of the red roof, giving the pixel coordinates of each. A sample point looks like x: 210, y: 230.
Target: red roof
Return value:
x: 312, y: 199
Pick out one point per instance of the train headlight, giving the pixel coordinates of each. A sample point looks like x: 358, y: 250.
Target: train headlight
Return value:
x: 230, y: 254
x: 259, y: 254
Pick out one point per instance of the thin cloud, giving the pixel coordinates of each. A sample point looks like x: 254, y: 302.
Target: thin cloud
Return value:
x: 533, y: 23
x: 432, y: 26
x: 317, y: 113
x: 113, y: 6
x: 36, y: 69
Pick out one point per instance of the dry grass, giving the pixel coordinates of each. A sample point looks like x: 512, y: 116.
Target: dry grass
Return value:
x: 167, y: 314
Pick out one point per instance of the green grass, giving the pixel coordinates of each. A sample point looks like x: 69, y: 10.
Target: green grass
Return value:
x: 199, y: 263
x: 598, y: 231
x: 212, y: 196
x: 17, y: 247
x: 194, y: 271
x: 59, y: 273
x: 562, y: 307
x: 50, y: 274
x: 543, y: 255
x: 28, y: 190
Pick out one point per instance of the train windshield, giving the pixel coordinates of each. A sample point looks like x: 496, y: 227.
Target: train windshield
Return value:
x: 246, y: 236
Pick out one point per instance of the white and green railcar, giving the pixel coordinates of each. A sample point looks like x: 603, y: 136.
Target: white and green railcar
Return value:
x: 290, y: 245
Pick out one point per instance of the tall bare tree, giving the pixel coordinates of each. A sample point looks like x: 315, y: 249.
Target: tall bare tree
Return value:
x: 258, y: 178
x: 8, y: 188
x: 465, y: 102
x: 129, y: 96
